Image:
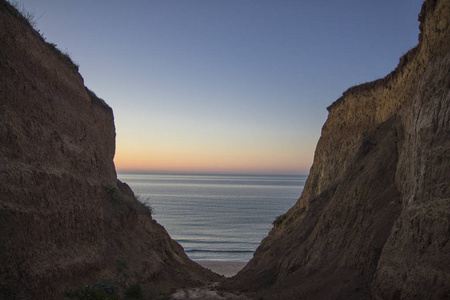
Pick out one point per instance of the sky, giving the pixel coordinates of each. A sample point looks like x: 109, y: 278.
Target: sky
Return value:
x: 225, y: 86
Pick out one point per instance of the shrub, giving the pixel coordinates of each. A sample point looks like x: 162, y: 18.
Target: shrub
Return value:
x: 113, y: 192
x: 121, y: 265
x: 279, y: 219
x: 96, y: 99
x: 148, y: 208
x: 134, y: 291
x: 27, y: 14
x: 104, y: 290
x: 64, y: 56
x: 145, y: 205
x: 155, y: 294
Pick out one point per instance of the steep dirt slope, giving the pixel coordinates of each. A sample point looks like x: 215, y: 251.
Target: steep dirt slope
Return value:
x: 374, y: 218
x: 65, y: 219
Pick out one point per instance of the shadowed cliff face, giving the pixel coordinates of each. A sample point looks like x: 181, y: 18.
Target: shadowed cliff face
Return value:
x: 65, y: 219
x: 373, y: 219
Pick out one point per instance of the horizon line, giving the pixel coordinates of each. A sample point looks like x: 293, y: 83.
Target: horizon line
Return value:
x: 207, y: 173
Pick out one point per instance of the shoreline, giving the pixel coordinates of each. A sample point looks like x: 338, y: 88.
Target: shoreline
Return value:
x: 225, y: 268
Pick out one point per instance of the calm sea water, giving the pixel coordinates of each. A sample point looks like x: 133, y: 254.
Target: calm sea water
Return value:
x: 217, y: 217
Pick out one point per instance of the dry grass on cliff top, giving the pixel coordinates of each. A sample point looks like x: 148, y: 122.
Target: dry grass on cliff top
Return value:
x: 29, y: 18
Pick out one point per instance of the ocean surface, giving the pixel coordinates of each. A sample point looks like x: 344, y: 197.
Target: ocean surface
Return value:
x: 216, y: 217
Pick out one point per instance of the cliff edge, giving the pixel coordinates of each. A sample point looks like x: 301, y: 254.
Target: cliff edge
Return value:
x: 373, y: 221
x: 65, y: 219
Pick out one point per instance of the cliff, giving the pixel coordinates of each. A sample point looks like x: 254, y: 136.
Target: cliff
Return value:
x: 373, y: 220
x: 65, y: 219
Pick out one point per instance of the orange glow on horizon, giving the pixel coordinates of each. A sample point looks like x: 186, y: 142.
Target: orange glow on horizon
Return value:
x: 209, y: 163
x: 196, y: 153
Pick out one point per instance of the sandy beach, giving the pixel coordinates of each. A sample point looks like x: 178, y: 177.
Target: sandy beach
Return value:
x: 225, y: 268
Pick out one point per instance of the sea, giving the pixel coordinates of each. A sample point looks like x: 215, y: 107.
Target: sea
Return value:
x: 216, y: 217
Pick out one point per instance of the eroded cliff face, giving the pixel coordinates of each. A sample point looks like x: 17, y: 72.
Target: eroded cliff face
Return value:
x: 374, y: 218
x: 65, y: 219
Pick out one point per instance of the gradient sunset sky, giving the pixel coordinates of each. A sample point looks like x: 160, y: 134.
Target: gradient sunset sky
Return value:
x: 225, y: 86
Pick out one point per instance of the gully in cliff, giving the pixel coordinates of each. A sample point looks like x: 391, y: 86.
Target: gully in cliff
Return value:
x: 372, y: 221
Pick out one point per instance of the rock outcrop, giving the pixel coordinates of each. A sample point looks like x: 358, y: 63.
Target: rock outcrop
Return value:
x: 374, y: 218
x: 65, y: 219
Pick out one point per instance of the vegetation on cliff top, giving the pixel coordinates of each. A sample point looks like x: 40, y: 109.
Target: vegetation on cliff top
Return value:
x: 29, y: 18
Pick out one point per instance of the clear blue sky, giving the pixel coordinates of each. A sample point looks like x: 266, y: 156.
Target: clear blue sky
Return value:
x: 225, y: 86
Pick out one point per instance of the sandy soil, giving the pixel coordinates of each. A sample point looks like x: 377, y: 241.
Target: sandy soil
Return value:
x: 209, y: 293
x: 225, y: 268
